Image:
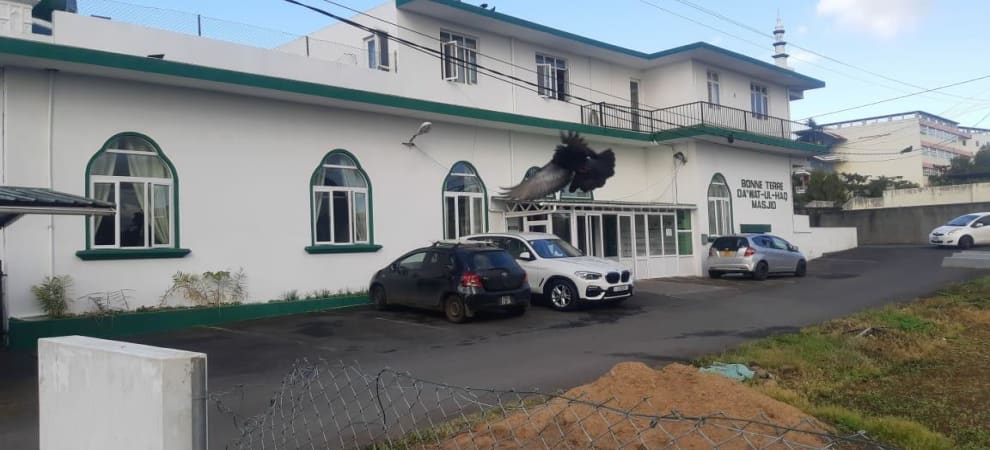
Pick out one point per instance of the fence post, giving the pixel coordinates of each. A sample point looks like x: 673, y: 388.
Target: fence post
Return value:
x: 199, y: 25
x: 783, y: 135
x: 745, y: 121
x: 108, y: 395
x: 601, y: 114
x: 702, y: 105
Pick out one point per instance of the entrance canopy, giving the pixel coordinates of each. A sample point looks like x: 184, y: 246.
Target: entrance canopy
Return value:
x: 514, y: 208
x: 15, y: 201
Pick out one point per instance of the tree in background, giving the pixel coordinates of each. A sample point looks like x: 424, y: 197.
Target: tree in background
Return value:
x: 965, y: 169
x: 838, y: 188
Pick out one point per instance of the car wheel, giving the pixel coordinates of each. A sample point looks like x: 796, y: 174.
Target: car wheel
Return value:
x: 454, y: 309
x: 714, y: 274
x: 802, y: 269
x: 966, y: 242
x: 378, y: 298
x: 761, y: 271
x: 516, y: 310
x: 563, y: 295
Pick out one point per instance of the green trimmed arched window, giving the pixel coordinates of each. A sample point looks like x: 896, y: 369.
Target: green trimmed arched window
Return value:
x: 465, y: 202
x: 133, y: 173
x: 341, y: 206
x: 719, y: 207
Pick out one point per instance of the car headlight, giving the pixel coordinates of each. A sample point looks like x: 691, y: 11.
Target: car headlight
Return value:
x: 951, y: 232
x: 588, y: 275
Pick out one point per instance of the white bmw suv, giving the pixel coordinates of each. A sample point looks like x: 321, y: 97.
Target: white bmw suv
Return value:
x: 561, y: 272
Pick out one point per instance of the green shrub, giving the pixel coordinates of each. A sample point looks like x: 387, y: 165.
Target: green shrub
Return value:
x: 52, y: 294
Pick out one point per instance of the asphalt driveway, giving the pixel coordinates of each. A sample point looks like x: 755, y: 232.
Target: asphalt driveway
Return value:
x: 668, y: 320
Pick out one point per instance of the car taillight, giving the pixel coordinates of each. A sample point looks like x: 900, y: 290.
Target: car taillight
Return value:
x: 750, y: 251
x: 471, y: 280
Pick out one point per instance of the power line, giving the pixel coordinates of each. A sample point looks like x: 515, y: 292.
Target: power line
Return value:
x: 971, y: 80
x: 821, y: 55
x: 493, y: 58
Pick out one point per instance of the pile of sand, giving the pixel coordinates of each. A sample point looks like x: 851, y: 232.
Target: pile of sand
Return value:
x: 560, y: 423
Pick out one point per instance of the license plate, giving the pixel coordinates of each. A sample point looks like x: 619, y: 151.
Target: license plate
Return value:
x: 505, y: 300
x: 622, y: 288
x: 727, y: 253
x: 937, y: 241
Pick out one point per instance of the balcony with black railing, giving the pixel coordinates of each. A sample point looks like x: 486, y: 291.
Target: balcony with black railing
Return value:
x: 695, y: 114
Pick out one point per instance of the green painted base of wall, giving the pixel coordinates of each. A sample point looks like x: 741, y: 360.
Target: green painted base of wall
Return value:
x: 23, y: 334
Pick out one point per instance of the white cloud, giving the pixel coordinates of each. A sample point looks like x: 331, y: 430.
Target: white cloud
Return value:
x: 884, y: 18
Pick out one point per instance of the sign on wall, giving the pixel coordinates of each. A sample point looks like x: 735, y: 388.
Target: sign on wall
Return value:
x: 764, y: 194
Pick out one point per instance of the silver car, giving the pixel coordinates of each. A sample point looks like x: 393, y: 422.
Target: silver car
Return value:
x: 758, y: 255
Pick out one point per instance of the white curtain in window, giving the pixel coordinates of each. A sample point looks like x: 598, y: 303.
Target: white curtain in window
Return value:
x: 161, y: 214
x: 104, y: 164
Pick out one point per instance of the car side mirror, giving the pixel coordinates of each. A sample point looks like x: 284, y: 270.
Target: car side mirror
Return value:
x: 977, y: 225
x: 525, y: 256
x: 792, y: 248
x: 394, y: 267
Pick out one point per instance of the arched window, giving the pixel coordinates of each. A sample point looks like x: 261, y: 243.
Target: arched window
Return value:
x: 132, y: 172
x: 465, y: 202
x: 719, y: 207
x: 341, y: 202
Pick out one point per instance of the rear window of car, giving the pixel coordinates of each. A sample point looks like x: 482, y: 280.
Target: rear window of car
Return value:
x: 492, y: 259
x: 729, y: 243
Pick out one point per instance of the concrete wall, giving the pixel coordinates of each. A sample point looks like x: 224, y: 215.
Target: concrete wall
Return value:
x: 935, y: 195
x: 105, y: 395
x: 906, y: 225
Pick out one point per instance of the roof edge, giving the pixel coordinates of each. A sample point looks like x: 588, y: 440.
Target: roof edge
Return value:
x: 813, y: 83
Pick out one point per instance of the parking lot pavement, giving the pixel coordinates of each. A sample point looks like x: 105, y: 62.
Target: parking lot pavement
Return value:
x: 667, y: 320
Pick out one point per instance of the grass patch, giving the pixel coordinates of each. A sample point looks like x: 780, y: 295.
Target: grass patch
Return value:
x: 913, y: 375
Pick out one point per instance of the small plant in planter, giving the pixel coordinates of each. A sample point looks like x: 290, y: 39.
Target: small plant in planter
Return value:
x: 53, y: 293
x: 209, y: 288
x: 109, y: 302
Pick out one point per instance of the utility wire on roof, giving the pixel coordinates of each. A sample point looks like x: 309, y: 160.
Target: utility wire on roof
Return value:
x: 498, y: 75
x: 494, y: 58
x: 819, y: 54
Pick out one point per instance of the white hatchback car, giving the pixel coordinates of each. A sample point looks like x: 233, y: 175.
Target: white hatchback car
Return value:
x: 561, y: 272
x: 963, y: 231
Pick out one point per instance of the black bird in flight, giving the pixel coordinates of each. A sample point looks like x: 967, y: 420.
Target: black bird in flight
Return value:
x: 573, y: 163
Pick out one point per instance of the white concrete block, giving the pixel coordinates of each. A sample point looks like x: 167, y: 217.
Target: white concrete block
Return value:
x: 109, y: 395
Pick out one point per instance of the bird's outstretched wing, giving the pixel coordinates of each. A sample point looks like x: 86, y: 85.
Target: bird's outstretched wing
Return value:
x: 548, y: 180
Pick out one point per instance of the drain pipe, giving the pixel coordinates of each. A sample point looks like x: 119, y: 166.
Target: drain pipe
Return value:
x: 51, y: 167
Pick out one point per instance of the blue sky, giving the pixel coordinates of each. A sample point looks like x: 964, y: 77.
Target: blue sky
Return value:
x: 920, y: 42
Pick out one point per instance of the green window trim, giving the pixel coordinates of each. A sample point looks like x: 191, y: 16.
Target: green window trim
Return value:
x: 443, y: 196
x: 368, y: 247
x: 353, y: 248
x: 173, y: 251
x: 106, y: 254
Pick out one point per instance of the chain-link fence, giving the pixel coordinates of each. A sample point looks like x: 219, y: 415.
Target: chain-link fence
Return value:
x: 331, y: 405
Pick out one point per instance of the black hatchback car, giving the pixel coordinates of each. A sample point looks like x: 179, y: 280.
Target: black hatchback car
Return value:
x: 458, y: 278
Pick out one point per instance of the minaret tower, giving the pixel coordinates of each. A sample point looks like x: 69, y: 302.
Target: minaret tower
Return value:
x: 779, y: 51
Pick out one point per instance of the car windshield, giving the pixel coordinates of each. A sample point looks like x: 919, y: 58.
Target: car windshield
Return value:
x: 492, y: 259
x: 554, y: 248
x: 962, y: 221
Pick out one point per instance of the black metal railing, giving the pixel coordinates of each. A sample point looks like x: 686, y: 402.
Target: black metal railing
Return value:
x: 610, y: 115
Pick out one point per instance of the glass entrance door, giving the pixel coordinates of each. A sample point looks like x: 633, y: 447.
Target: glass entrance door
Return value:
x: 588, y: 236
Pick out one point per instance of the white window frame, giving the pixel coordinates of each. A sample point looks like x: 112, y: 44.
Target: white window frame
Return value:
x: 547, y: 85
x: 352, y: 222
x: 713, y: 82
x: 720, y: 223
x: 453, y: 68
x: 149, y: 222
x: 759, y: 95
x: 476, y: 219
x: 376, y: 38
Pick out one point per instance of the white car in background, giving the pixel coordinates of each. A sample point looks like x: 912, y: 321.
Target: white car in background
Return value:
x: 963, y: 231
x: 561, y: 272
